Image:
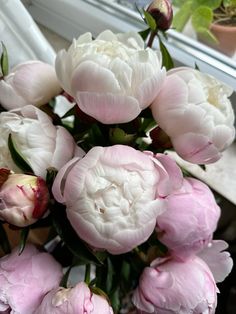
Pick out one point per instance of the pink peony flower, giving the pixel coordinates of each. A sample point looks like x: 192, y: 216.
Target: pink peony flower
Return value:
x: 114, y: 195
x: 194, y: 110
x: 23, y: 198
x: 112, y: 78
x: 77, y: 300
x: 32, y: 82
x: 173, y: 287
x: 170, y: 286
x: 187, y: 225
x: 26, y: 279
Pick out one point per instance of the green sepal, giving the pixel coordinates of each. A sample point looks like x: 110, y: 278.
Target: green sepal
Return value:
x: 17, y: 157
x: 4, y: 60
x: 150, y: 20
x: 4, y: 242
x: 23, y: 238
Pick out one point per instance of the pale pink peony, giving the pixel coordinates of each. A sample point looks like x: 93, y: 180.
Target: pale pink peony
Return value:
x: 113, y: 77
x: 170, y: 286
x: 173, y: 287
x: 77, y: 300
x: 23, y: 198
x: 25, y: 279
x: 41, y: 143
x: 186, y: 227
x: 194, y: 110
x: 31, y: 82
x: 114, y: 195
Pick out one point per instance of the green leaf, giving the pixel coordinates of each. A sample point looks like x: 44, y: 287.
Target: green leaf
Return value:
x: 71, y: 239
x: 206, y: 35
x: 167, y: 61
x: 65, y: 277
x: 23, y: 238
x: 202, y: 18
x: 229, y: 3
x: 212, y: 4
x: 150, y: 20
x: 115, y: 299
x: 144, y: 34
x: 87, y: 274
x: 110, y: 273
x: 96, y: 136
x: 178, y: 3
x: 182, y: 16
x: 4, y: 60
x: 17, y: 157
x: 4, y: 243
x: 125, y: 270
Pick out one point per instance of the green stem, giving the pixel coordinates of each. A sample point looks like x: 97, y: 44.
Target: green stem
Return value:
x: 87, y: 274
x: 151, y: 39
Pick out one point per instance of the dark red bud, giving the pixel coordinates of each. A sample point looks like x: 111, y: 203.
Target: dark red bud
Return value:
x: 161, y: 11
x: 160, y: 139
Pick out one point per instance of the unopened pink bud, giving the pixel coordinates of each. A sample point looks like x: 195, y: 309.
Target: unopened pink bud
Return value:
x: 23, y: 198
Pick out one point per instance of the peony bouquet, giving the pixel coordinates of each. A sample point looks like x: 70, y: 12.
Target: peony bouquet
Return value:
x: 127, y: 230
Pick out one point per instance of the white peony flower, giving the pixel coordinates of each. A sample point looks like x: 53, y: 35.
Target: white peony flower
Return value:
x: 114, y: 194
x: 41, y: 143
x: 194, y: 110
x: 113, y: 77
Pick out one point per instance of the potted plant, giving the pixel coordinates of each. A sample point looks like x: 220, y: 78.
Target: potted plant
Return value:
x: 213, y: 20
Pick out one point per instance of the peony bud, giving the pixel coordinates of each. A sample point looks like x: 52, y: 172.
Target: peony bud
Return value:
x: 161, y: 11
x: 32, y: 82
x: 23, y: 198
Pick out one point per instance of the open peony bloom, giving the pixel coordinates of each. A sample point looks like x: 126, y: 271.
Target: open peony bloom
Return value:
x: 42, y: 144
x: 23, y: 198
x: 114, y: 195
x: 113, y: 77
x: 77, y: 300
x: 194, y: 110
x: 25, y: 279
x: 32, y: 82
x: 173, y: 287
x: 191, y: 217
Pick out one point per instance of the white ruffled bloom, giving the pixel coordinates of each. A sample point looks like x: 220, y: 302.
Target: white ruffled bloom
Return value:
x: 193, y: 108
x: 41, y: 143
x: 114, y: 194
x: 113, y: 77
